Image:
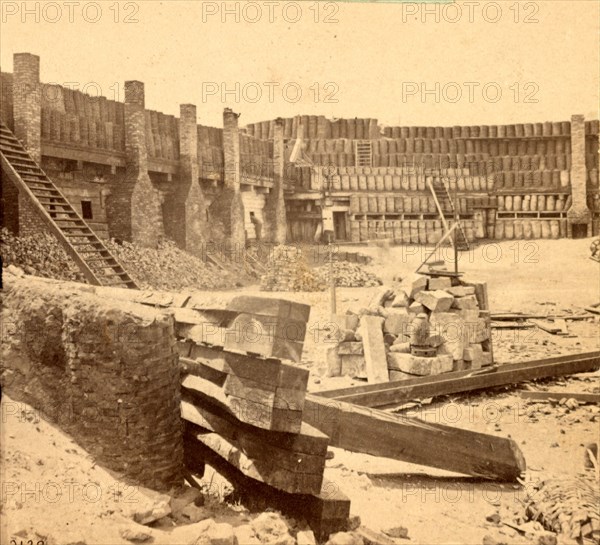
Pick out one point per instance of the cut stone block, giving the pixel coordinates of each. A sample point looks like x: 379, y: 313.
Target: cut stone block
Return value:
x: 477, y: 331
x: 436, y: 301
x: 468, y: 302
x: 403, y: 348
x: 374, y: 349
x: 350, y: 348
x: 418, y: 284
x: 352, y: 365
x: 416, y: 308
x: 399, y: 375
x: 452, y: 329
x: 474, y: 354
x: 461, y: 291
x: 401, y: 300
x: 416, y: 365
x: 352, y: 321
x: 480, y: 293
x: 398, y: 324
x: 441, y: 283
x: 469, y: 316
x: 334, y: 362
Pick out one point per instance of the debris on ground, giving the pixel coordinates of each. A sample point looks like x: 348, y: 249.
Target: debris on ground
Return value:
x: 288, y: 270
x: 166, y: 267
x: 566, y: 506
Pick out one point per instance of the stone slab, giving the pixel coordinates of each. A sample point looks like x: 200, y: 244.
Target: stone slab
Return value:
x: 374, y: 349
x: 468, y: 302
x: 436, y: 301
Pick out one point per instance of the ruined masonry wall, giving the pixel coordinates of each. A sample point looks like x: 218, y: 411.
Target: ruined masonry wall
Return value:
x: 105, y: 372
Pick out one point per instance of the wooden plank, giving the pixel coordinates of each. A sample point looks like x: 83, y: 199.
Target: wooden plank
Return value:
x: 511, y: 325
x: 271, y: 373
x: 557, y: 396
x: 375, y: 432
x: 399, y: 392
x: 262, y: 448
x: 267, y: 306
x: 547, y: 326
x: 235, y: 385
x: 326, y: 512
x: 374, y: 349
x: 265, y: 472
x: 256, y: 409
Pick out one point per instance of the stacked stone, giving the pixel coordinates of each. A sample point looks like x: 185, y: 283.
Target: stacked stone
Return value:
x: 452, y: 332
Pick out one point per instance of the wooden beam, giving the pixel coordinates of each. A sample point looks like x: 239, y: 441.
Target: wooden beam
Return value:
x: 326, y: 512
x: 379, y: 433
x: 399, y: 392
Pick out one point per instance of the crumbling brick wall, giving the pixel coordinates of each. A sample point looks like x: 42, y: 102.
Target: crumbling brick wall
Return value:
x: 106, y: 372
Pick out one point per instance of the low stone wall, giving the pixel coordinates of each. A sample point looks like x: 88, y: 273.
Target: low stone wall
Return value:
x: 105, y: 371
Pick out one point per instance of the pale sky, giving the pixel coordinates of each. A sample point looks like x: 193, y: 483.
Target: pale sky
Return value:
x: 498, y: 62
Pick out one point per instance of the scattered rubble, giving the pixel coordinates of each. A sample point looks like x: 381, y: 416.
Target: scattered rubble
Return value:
x: 288, y: 270
x: 166, y: 267
x: 566, y: 506
x: 348, y: 275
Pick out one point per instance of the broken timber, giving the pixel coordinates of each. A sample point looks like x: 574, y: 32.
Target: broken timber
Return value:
x: 396, y: 393
x: 375, y: 432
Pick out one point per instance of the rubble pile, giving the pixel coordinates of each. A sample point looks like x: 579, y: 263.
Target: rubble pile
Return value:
x: 287, y: 270
x: 169, y: 268
x: 568, y: 507
x: 348, y: 275
x: 430, y: 326
x: 166, y: 267
x: 39, y: 255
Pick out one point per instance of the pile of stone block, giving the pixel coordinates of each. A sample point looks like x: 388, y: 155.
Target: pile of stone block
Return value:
x: 429, y: 326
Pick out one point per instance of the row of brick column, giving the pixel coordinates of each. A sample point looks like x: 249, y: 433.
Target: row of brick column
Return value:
x: 136, y: 210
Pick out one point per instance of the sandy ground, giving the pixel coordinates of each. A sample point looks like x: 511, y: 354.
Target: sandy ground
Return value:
x: 436, y: 507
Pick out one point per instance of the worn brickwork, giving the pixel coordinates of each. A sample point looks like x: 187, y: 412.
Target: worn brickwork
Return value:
x: 184, y: 208
x: 106, y: 372
x: 134, y: 206
x: 226, y: 213
x: 27, y: 102
x: 579, y: 213
x: 275, y: 215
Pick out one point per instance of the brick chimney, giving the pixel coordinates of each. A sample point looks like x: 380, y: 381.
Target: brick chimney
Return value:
x: 134, y: 208
x: 579, y: 216
x: 27, y: 102
x: 185, y: 207
x: 275, y: 215
x: 226, y: 213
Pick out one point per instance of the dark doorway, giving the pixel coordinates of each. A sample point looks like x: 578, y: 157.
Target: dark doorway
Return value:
x: 86, y: 210
x: 339, y: 224
x: 579, y: 230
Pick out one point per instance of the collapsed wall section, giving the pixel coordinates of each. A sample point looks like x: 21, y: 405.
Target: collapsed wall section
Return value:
x: 106, y: 372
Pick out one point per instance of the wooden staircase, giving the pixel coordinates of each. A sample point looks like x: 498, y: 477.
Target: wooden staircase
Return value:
x: 445, y: 205
x: 98, y: 265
